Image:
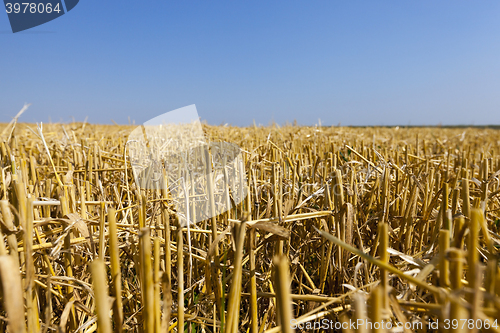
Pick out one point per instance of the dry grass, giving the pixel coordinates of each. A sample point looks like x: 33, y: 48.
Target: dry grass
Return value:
x: 395, y: 225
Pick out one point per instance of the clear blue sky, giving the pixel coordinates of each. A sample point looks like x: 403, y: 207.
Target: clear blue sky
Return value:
x: 349, y: 62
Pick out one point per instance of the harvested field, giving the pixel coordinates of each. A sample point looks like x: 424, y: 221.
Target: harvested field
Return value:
x: 393, y: 225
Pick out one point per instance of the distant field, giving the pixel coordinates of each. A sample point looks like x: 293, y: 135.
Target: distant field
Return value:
x: 386, y: 225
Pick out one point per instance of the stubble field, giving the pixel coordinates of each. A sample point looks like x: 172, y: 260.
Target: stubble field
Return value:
x: 394, y: 226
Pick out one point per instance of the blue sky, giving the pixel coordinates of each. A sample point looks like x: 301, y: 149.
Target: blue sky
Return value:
x: 350, y: 62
